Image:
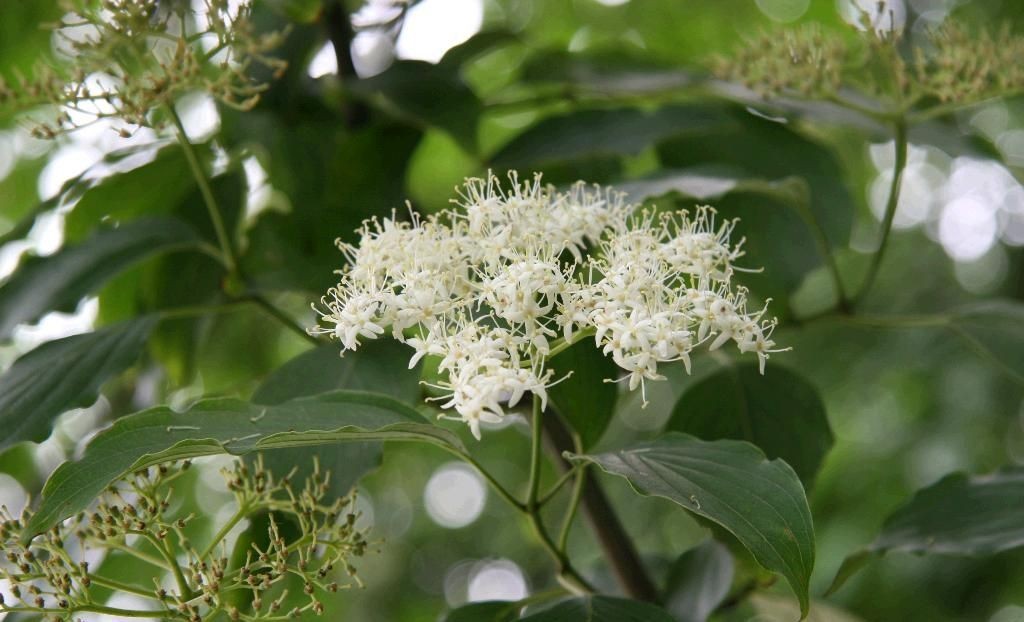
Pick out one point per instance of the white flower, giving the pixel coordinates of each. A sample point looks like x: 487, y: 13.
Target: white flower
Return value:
x: 494, y: 285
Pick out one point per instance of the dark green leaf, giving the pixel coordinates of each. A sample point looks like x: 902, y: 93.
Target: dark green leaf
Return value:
x: 63, y: 374
x: 958, y: 515
x: 995, y: 330
x: 764, y: 149
x: 701, y: 185
x: 731, y: 483
x: 302, y: 11
x: 490, y: 611
x: 698, y: 582
x: 334, y: 180
x: 604, y: 73
x: 779, y: 411
x: 600, y: 133
x: 155, y: 188
x: 377, y: 366
x: 227, y: 426
x: 59, y: 281
x: 600, y: 609
x: 19, y: 462
x: 584, y: 398
x: 426, y: 95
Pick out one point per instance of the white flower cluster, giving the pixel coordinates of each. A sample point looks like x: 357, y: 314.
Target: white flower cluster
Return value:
x: 509, y: 277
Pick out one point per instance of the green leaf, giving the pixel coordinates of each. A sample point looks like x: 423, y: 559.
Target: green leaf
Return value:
x: 768, y: 607
x: 698, y: 582
x: 584, y: 398
x: 731, y: 483
x: 59, y: 281
x: 489, y: 611
x: 154, y: 188
x: 759, y: 148
x: 701, y: 184
x: 601, y: 133
x: 958, y: 515
x: 63, y: 374
x: 995, y: 331
x: 377, y: 366
x: 600, y: 609
x: 604, y: 72
x: 302, y: 11
x: 425, y: 95
x: 780, y: 412
x: 220, y: 426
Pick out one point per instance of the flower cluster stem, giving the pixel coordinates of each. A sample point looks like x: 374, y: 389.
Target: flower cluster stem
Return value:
x: 227, y: 250
x: 611, y: 534
x: 900, y: 141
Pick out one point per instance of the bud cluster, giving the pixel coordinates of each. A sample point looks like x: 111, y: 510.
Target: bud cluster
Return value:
x: 510, y: 277
x: 803, y: 61
x: 128, y: 58
x: 948, y: 64
x: 965, y: 66
x: 52, y: 577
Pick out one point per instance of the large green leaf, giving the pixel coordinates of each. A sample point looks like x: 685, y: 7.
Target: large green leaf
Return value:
x: 378, y: 366
x: 698, y: 582
x: 760, y: 148
x: 601, y: 133
x: 958, y: 515
x: 154, y: 188
x: 600, y: 609
x: 425, y: 95
x: 731, y: 483
x: 701, y: 184
x: 489, y: 611
x: 59, y: 281
x: 604, y: 73
x: 64, y: 374
x: 220, y: 426
x: 779, y: 411
x: 994, y: 330
x: 584, y: 398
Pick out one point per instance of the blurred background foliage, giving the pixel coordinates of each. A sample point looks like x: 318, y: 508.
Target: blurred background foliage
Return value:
x: 609, y: 91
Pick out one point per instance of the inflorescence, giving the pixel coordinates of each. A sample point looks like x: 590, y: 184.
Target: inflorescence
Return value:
x: 131, y: 57
x: 507, y: 278
x: 57, y: 574
x: 950, y: 64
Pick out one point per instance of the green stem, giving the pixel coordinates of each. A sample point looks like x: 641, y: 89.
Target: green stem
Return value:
x: 495, y: 484
x: 574, y: 504
x: 172, y: 563
x: 878, y: 115
x: 122, y: 587
x: 230, y: 261
x: 222, y: 533
x: 803, y: 206
x: 567, y: 574
x: 139, y: 555
x: 900, y: 140
x: 558, y: 485
x: 282, y: 317
x: 101, y: 609
x: 536, y: 436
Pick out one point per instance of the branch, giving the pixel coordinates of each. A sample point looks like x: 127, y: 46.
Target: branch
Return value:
x: 611, y: 535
